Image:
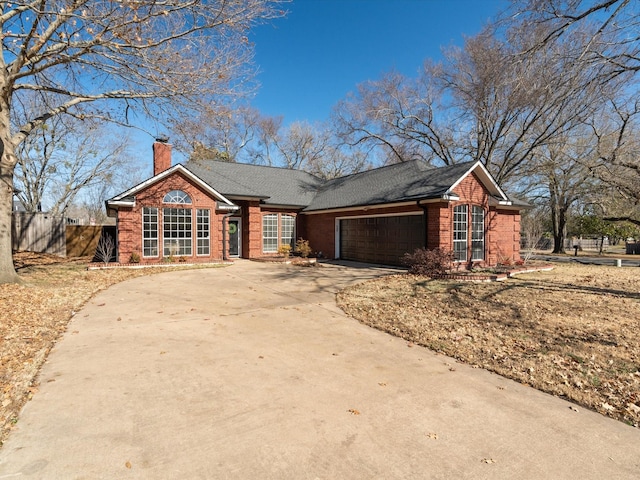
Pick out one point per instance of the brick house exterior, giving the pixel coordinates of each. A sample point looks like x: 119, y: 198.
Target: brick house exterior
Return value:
x: 210, y: 211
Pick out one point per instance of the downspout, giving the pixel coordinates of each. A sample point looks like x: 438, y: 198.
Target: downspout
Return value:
x: 426, y: 221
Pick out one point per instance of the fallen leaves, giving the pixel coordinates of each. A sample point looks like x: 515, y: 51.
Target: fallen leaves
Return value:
x: 35, y: 314
x: 571, y: 332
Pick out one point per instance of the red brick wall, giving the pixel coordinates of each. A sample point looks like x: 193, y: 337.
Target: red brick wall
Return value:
x: 502, y: 239
x: 254, y: 222
x: 502, y: 227
x: 129, y: 222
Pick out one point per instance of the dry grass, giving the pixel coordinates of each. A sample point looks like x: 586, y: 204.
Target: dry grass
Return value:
x: 35, y: 314
x: 572, y: 332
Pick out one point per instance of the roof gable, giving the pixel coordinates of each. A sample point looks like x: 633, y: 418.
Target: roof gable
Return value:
x: 485, y: 177
x: 127, y: 197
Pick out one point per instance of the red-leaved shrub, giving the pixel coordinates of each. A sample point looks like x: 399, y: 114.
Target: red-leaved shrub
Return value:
x: 428, y: 262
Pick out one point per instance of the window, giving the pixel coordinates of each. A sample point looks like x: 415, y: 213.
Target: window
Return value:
x: 203, y: 229
x: 270, y: 233
x: 460, y: 226
x: 477, y: 233
x: 149, y: 232
x: 176, y: 227
x: 177, y: 196
x: 287, y: 233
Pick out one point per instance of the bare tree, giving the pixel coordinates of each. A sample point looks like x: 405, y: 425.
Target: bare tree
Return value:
x: 485, y: 102
x: 610, y: 29
x: 617, y: 165
x: 120, y: 60
x: 533, y: 229
x: 222, y: 132
x: 64, y: 158
x: 105, y: 248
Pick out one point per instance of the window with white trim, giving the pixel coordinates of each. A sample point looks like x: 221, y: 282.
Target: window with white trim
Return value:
x: 176, y: 228
x: 477, y: 233
x: 270, y: 233
x: 460, y: 229
x: 203, y: 230
x: 177, y: 196
x: 149, y: 232
x: 287, y: 230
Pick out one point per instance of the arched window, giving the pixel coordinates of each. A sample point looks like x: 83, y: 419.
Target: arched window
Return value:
x: 177, y: 196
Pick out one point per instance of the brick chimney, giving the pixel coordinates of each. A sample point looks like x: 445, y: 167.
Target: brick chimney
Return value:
x: 161, y: 155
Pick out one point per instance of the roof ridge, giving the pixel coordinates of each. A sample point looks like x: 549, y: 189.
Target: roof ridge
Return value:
x: 274, y: 167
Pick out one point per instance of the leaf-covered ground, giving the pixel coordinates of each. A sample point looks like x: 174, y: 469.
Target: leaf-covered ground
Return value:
x: 35, y: 313
x: 573, y: 332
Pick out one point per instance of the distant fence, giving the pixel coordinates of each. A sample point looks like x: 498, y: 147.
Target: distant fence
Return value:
x: 44, y: 233
x: 38, y: 232
x: 585, y: 243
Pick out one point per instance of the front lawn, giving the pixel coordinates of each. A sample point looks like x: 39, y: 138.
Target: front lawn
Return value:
x: 573, y: 332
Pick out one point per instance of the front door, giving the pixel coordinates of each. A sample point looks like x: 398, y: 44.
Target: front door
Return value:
x: 234, y: 237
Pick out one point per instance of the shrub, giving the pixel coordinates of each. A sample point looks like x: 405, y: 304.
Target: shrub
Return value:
x: 284, y: 250
x: 428, y: 262
x: 303, y: 248
x: 134, y: 258
x: 104, y: 250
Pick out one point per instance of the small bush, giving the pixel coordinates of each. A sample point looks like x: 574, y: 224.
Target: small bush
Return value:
x: 303, y: 248
x: 284, y: 250
x: 134, y: 258
x: 105, y: 249
x: 428, y: 262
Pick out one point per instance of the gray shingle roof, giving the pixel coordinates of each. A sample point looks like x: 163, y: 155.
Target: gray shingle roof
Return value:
x: 402, y: 182
x: 395, y: 183
x: 275, y: 186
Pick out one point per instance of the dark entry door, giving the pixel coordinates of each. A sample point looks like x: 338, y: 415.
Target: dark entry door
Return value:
x: 234, y: 237
x: 382, y: 240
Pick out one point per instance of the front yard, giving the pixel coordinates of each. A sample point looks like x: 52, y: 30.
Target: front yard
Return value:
x: 573, y: 332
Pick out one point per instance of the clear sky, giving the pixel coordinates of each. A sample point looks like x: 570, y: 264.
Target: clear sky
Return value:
x: 323, y: 48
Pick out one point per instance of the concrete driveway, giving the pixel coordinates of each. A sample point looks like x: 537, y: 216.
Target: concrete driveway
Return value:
x: 251, y: 372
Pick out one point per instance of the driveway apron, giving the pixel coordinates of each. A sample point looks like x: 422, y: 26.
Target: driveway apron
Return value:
x: 251, y: 372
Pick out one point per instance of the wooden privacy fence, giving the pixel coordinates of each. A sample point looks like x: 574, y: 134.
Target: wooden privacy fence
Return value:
x: 82, y: 240
x: 45, y: 233
x: 38, y: 232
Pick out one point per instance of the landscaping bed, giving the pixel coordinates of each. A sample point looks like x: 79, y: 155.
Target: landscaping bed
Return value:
x: 571, y: 331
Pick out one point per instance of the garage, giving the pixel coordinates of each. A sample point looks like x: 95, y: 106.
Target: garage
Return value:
x: 382, y: 240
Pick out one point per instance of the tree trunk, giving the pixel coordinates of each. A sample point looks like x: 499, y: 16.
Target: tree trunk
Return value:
x: 559, y: 223
x: 7, y: 271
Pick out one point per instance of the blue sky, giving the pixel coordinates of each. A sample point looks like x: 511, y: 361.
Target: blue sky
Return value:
x: 323, y: 48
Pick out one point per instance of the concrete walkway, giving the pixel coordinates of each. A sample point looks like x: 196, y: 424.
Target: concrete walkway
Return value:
x: 251, y: 372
